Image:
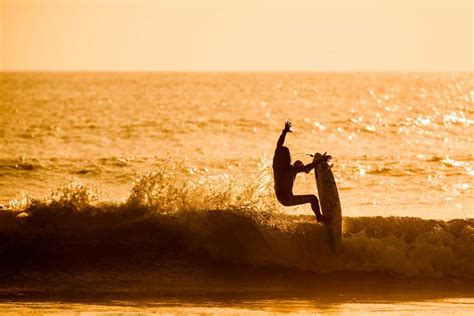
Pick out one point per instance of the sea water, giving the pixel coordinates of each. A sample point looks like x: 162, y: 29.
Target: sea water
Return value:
x: 401, y: 142
x: 154, y: 190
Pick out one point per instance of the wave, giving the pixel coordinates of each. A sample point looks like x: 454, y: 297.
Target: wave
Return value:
x: 225, y: 221
x: 22, y: 163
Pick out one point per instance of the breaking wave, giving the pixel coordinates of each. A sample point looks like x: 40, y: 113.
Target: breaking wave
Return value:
x: 223, y: 220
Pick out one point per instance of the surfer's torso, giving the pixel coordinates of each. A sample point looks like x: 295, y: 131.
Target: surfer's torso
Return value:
x: 284, y: 178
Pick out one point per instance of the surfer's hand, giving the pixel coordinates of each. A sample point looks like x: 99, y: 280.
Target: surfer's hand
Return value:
x: 326, y: 157
x: 320, y: 158
x: 287, y: 127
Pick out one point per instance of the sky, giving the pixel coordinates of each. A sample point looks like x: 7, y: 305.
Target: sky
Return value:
x: 231, y: 35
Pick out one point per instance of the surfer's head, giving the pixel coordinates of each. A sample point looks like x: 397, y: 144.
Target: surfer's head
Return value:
x: 282, y: 156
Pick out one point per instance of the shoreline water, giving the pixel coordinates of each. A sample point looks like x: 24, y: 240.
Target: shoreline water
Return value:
x: 276, y: 293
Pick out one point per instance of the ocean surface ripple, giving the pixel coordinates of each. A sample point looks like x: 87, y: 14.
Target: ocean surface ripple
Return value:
x: 401, y: 142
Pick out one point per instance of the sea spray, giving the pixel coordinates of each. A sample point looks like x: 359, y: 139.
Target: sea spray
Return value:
x: 221, y: 221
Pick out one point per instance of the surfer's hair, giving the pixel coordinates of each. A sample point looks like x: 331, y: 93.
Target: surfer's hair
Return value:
x: 282, y: 156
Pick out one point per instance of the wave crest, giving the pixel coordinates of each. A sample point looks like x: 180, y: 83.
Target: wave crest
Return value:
x: 222, y: 220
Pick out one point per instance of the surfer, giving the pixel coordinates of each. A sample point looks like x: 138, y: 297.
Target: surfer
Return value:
x: 285, y: 173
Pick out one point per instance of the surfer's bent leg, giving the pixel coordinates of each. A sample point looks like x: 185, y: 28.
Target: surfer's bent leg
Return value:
x: 303, y: 199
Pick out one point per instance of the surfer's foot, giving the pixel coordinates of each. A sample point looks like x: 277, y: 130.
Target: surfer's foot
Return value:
x: 323, y: 219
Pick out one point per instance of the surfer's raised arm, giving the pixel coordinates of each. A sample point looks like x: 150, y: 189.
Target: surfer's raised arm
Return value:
x: 287, y: 129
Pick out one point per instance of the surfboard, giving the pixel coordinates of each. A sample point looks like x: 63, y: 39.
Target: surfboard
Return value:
x: 329, y: 201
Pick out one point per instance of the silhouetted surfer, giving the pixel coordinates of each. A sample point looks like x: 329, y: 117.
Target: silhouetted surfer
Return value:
x: 285, y: 173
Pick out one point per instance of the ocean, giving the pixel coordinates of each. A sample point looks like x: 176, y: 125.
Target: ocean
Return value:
x: 151, y: 192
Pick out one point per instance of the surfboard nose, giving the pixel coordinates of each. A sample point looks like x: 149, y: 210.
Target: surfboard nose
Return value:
x: 317, y: 156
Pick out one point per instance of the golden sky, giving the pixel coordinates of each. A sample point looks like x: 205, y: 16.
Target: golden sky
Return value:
x: 245, y: 35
